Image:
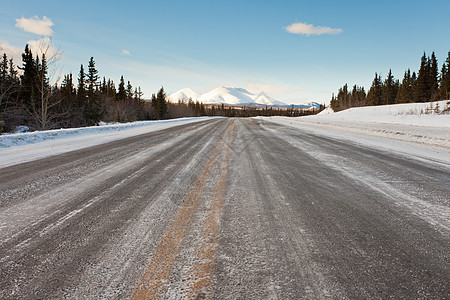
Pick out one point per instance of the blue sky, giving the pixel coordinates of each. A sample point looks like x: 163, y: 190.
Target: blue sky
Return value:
x: 205, y: 44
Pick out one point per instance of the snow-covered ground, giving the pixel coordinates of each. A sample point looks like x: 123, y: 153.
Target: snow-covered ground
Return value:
x: 23, y: 147
x: 417, y: 129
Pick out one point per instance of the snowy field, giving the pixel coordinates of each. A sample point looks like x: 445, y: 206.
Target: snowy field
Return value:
x: 23, y: 147
x: 418, y: 129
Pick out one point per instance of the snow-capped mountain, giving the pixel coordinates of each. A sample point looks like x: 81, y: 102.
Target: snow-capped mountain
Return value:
x: 184, y: 95
x: 227, y: 95
x: 262, y: 98
x: 233, y: 96
x: 309, y: 105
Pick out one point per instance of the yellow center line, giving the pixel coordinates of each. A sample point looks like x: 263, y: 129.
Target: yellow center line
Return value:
x: 202, y: 273
x: 155, y: 279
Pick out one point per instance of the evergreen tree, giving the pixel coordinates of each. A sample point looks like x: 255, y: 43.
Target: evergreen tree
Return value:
x: 81, y: 90
x: 422, y: 90
x: 103, y: 86
x: 121, y: 94
x: 433, y: 77
x: 375, y: 92
x: 389, y: 90
x: 159, y: 104
x: 3, y: 68
x: 28, y: 78
x: 92, y: 78
x: 12, y: 71
x: 405, y: 90
x: 129, y: 90
x: 444, y: 80
x: 67, y: 87
x: 92, y: 108
x: 138, y: 94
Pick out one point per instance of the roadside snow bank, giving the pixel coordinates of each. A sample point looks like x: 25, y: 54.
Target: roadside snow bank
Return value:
x: 413, y: 128
x: 419, y: 114
x: 23, y: 147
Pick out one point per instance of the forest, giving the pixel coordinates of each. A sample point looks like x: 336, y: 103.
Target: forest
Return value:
x: 28, y: 99
x: 427, y: 85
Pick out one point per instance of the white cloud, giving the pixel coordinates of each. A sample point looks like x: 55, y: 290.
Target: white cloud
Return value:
x: 44, y: 45
x: 11, y: 51
x: 308, y: 29
x: 126, y: 52
x: 36, y: 25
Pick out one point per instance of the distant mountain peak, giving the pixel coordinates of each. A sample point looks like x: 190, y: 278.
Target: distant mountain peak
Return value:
x: 183, y: 95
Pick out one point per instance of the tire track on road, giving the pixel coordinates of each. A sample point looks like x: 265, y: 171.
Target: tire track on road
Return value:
x: 154, y: 281
x: 201, y: 275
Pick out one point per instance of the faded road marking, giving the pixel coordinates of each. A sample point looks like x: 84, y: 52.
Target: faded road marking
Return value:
x: 154, y: 281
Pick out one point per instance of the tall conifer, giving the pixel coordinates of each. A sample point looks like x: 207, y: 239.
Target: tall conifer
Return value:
x: 375, y: 92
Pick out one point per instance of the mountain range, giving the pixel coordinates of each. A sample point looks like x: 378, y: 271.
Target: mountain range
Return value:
x: 232, y: 96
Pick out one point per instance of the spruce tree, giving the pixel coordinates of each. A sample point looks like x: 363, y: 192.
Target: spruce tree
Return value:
x: 389, y: 90
x: 159, y: 103
x: 3, y: 68
x: 422, y: 91
x: 444, y: 80
x: 129, y: 90
x: 405, y: 90
x: 28, y: 77
x: 121, y: 93
x: 81, y: 89
x: 433, y: 77
x: 375, y: 92
x: 92, y: 78
x: 92, y: 108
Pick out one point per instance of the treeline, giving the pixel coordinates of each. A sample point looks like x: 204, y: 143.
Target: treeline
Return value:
x: 27, y: 98
x: 428, y: 85
x: 200, y: 109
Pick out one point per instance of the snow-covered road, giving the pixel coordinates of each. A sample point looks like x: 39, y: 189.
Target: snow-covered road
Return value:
x: 229, y: 208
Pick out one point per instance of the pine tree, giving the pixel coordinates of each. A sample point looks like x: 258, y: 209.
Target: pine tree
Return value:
x: 28, y: 78
x: 92, y: 108
x: 444, y: 80
x: 12, y: 71
x: 433, y: 77
x: 103, y: 86
x: 422, y: 90
x: 92, y: 78
x: 159, y: 103
x: 81, y: 89
x: 375, y: 92
x: 129, y: 90
x: 121, y: 94
x: 3, y: 68
x: 405, y: 90
x: 389, y: 90
x: 67, y: 88
x: 138, y: 94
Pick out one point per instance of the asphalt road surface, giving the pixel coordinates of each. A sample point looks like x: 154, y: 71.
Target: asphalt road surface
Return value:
x: 225, y: 209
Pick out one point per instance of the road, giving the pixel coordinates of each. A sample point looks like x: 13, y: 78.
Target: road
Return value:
x: 225, y: 209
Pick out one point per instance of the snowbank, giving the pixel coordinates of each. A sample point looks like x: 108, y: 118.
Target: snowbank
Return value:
x: 415, y: 128
x: 23, y: 147
x: 420, y: 114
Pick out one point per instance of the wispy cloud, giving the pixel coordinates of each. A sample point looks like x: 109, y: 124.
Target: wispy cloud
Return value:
x: 309, y: 29
x: 125, y: 52
x: 44, y: 46
x: 11, y: 51
x: 36, y: 25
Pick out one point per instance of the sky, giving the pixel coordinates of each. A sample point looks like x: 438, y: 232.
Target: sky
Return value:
x: 295, y: 51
